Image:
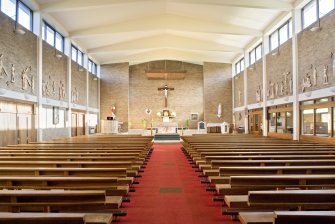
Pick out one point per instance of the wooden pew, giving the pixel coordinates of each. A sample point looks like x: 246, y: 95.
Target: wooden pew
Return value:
x: 226, y: 172
x: 305, y: 217
x: 243, y: 184
x: 109, y: 184
x: 18, y: 200
x: 287, y: 217
x: 216, y: 164
x: 119, y: 173
x: 63, y: 171
x: 55, y: 218
x: 89, y: 164
x: 256, y: 217
x: 209, y: 159
x: 283, y: 199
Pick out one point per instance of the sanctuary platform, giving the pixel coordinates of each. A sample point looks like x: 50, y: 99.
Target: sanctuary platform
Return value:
x: 167, y: 137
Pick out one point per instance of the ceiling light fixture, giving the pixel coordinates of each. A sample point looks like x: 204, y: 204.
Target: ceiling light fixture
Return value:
x: 18, y: 29
x: 274, y: 53
x: 316, y: 28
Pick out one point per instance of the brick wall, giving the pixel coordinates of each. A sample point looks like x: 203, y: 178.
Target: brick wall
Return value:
x: 54, y: 84
x: 78, y: 82
x: 114, y: 90
x: 21, y: 52
x: 255, y: 82
x: 239, y: 90
x: 217, y: 89
x: 186, y: 98
x: 279, y: 72
x: 314, y: 52
x: 239, y: 119
x: 93, y: 89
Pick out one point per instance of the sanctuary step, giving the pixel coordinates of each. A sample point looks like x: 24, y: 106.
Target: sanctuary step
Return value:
x: 167, y: 137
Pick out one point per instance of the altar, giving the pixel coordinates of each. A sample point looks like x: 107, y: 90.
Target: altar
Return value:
x: 166, y: 128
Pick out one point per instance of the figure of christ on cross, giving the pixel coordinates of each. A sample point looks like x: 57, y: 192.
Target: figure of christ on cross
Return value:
x: 165, y: 89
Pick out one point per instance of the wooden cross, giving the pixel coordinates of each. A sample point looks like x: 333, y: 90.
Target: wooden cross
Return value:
x: 165, y: 89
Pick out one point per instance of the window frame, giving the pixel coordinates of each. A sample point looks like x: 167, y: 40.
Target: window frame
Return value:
x: 93, y: 69
x: 317, y: 12
x: 46, y: 25
x: 289, y: 34
x: 16, y: 17
x: 254, y: 52
x: 77, y: 53
x: 238, y: 65
x: 303, y: 15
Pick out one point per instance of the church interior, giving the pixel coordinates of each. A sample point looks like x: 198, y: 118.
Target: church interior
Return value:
x: 167, y: 111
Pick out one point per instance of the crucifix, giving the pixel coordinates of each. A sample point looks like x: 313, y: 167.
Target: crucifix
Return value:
x: 165, y: 89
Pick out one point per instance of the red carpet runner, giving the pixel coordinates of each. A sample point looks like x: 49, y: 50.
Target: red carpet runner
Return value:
x: 170, y: 192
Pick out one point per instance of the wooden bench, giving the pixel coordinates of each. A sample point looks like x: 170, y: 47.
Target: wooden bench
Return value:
x: 119, y: 173
x: 18, y: 200
x: 256, y: 217
x: 86, y: 164
x: 283, y: 199
x: 287, y: 217
x: 292, y: 199
x: 216, y: 164
x: 63, y: 171
x: 243, y: 184
x: 55, y: 218
x: 109, y: 184
x: 226, y: 172
x: 305, y: 217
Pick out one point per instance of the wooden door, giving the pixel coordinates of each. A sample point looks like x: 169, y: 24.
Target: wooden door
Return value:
x: 81, y: 124
x: 255, y: 123
x: 74, y: 122
x: 23, y: 128
x: 8, y: 130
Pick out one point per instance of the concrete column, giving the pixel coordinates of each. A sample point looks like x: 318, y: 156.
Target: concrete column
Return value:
x: 265, y: 47
x: 296, y: 21
x: 69, y: 87
x: 38, y: 23
x: 245, y: 92
x: 87, y: 99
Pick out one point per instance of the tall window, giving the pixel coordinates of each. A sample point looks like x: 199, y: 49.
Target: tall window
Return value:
x: 52, y: 37
x: 255, y: 54
x: 77, y: 55
x: 92, y: 67
x: 18, y: 11
x: 281, y: 35
x: 315, y: 10
x: 239, y: 66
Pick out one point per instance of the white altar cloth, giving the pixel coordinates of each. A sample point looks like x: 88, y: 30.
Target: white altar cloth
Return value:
x: 167, y: 128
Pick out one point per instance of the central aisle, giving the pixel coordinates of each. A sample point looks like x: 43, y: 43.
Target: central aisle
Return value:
x: 170, y: 192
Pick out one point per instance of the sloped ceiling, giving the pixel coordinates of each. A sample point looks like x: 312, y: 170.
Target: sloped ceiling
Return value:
x: 137, y: 31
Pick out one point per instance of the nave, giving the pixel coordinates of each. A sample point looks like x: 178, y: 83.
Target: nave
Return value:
x: 205, y: 179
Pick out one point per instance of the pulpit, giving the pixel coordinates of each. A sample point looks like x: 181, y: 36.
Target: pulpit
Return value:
x: 109, y: 126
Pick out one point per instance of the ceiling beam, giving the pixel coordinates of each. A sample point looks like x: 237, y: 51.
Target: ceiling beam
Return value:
x: 170, y: 54
x: 254, y: 4
x: 167, y: 22
x: 166, y: 40
x: 76, y: 5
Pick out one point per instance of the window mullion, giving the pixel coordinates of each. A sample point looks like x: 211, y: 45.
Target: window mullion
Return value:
x: 17, y: 11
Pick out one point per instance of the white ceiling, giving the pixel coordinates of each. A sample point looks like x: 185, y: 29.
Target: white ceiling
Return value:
x: 136, y: 31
